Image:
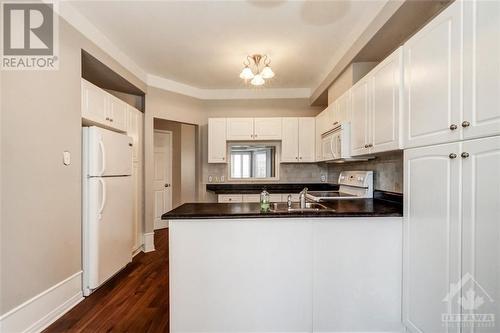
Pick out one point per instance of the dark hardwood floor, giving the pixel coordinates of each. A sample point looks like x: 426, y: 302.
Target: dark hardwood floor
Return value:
x: 136, y: 300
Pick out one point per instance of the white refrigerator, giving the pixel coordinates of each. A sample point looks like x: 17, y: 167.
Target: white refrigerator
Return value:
x: 107, y: 205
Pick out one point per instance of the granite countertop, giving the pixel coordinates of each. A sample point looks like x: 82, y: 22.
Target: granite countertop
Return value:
x: 343, y: 208
x: 255, y: 188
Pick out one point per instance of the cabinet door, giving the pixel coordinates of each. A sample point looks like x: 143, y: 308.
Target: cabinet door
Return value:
x: 481, y: 68
x: 432, y: 62
x: 318, y: 141
x: 290, y: 140
x: 481, y: 226
x: 137, y: 205
x: 255, y: 198
x: 217, y: 140
x: 267, y: 128
x: 331, y: 116
x: 117, y: 113
x: 240, y: 129
x: 134, y: 130
x: 432, y: 235
x: 94, y: 103
x: 360, y: 118
x: 386, y: 89
x: 344, y: 107
x: 306, y: 139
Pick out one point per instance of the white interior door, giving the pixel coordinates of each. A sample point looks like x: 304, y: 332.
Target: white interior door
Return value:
x: 162, y: 174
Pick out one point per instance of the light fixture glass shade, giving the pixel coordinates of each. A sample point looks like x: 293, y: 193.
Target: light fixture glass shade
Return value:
x: 246, y: 73
x: 257, y: 80
x: 267, y: 72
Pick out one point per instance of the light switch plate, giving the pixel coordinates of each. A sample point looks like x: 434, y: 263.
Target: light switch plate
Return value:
x: 66, y: 157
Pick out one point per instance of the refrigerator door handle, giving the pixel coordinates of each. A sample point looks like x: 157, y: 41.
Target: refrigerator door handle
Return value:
x: 103, y: 157
x: 103, y: 201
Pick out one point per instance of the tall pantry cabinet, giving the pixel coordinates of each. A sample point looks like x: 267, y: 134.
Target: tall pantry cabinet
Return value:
x: 452, y: 176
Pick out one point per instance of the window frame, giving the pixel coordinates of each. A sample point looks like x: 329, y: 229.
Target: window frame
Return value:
x: 277, y: 154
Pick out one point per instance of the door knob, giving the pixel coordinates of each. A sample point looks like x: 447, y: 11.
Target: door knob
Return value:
x: 452, y: 155
x: 464, y: 154
x: 167, y: 185
x: 465, y: 123
x: 453, y: 127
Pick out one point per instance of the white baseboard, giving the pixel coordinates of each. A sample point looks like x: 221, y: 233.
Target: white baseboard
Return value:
x: 161, y: 224
x: 38, y: 313
x: 137, y: 251
x: 149, y: 242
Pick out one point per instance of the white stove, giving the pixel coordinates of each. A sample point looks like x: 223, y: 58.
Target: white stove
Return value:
x: 353, y: 185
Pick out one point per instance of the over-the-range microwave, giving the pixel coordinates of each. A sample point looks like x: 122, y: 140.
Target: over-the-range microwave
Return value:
x: 336, y: 144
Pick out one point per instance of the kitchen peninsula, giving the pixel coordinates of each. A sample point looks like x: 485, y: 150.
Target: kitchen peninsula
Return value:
x: 234, y: 268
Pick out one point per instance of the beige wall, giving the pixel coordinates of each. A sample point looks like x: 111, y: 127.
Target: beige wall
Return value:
x: 41, y: 198
x: 348, y: 78
x: 188, y: 163
x: 167, y: 105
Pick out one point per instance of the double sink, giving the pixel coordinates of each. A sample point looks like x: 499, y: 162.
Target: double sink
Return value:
x: 281, y: 207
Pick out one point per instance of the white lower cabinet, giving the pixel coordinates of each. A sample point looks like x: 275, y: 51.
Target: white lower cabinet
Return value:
x: 228, y: 198
x: 251, y: 198
x: 452, y: 230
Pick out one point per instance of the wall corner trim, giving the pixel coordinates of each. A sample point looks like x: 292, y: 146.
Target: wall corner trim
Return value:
x: 39, y: 312
x: 149, y: 242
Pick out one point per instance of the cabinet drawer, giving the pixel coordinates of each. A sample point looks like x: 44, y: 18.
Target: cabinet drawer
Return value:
x: 230, y: 198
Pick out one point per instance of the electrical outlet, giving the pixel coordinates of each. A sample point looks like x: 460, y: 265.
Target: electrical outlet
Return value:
x: 222, y: 179
x: 323, y: 178
x: 216, y: 179
x: 210, y: 179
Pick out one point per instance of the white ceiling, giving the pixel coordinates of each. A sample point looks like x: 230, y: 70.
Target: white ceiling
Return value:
x: 203, y: 43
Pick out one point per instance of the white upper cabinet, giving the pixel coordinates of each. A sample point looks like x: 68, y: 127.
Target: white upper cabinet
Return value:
x: 101, y: 108
x: 360, y: 113
x: 432, y: 235
x: 134, y: 130
x: 290, y: 140
x: 118, y: 113
x: 343, y: 108
x: 240, y: 129
x: 217, y: 140
x: 298, y: 140
x: 385, y: 108
x: 267, y: 129
x: 94, y: 103
x: 307, y: 130
x: 481, y: 69
x: 432, y: 62
x: 244, y: 129
x: 320, y: 126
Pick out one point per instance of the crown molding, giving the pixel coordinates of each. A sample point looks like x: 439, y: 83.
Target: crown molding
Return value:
x: 219, y: 94
x: 84, y: 26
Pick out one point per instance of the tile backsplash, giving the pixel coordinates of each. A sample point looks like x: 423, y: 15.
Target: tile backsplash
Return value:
x: 289, y: 173
x: 387, y: 171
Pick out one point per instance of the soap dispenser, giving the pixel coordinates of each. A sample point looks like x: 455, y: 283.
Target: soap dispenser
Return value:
x: 264, y: 200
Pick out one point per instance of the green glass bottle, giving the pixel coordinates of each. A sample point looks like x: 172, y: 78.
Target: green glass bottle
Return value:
x: 264, y: 200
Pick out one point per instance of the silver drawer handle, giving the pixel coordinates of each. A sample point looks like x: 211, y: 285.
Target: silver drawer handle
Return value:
x: 453, y: 127
x: 452, y: 155
x: 465, y: 123
x: 464, y: 154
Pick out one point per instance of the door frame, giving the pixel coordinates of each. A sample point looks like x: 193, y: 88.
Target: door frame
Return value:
x: 164, y: 223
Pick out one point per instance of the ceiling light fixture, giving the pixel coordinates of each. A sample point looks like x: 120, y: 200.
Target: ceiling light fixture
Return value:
x: 257, y: 68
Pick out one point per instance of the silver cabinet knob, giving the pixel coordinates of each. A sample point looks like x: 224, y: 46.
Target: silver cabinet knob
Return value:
x: 167, y: 185
x: 452, y: 155
x: 107, y: 118
x: 366, y: 146
x: 370, y: 145
x: 465, y: 123
x: 300, y: 158
x: 464, y: 154
x: 111, y: 119
x: 453, y: 127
